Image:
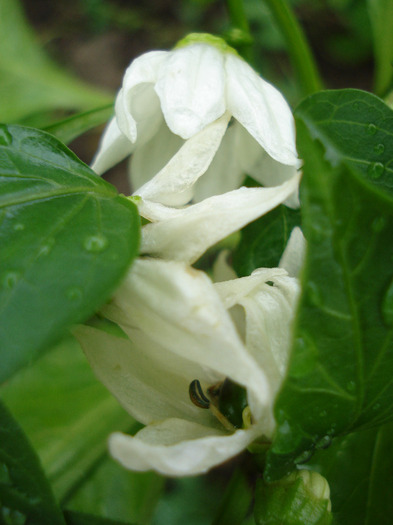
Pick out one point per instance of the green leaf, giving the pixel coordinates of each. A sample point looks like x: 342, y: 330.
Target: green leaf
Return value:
x: 299, y: 499
x: 81, y: 518
x: 30, y: 81
x: 72, y: 127
x: 67, y: 239
x: 116, y: 493
x: 66, y: 413
x: 263, y: 241
x: 359, y: 469
x: 340, y: 373
x: 23, y: 486
x: 381, y: 17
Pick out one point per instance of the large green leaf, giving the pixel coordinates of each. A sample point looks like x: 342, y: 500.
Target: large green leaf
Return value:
x: 23, y: 486
x: 66, y: 413
x: 381, y: 17
x: 340, y: 373
x: 116, y: 493
x: 263, y: 241
x: 30, y: 81
x: 359, y: 469
x: 66, y: 239
x: 81, y: 518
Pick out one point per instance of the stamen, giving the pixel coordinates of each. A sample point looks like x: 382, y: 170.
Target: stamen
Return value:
x: 197, y: 396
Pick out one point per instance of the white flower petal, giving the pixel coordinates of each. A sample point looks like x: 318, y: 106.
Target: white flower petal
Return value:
x: 191, y: 87
x: 148, y: 159
x: 173, y: 184
x: 293, y: 257
x: 187, y: 233
x: 262, y: 110
x: 137, y: 106
x: 178, y: 307
x: 114, y: 147
x: 269, y: 315
x: 178, y: 448
x: 225, y: 173
x: 150, y: 383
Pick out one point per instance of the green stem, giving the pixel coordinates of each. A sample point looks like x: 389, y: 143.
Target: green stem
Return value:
x: 238, y: 19
x: 238, y: 15
x: 236, y: 502
x: 297, y: 46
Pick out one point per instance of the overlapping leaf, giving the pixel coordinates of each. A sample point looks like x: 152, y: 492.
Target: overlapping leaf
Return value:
x: 340, y: 374
x: 66, y: 240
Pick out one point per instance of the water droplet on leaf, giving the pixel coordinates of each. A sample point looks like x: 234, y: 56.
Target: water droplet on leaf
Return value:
x: 371, y: 129
x: 46, y: 248
x: 387, y: 305
x: 376, y: 170
x: 95, y: 243
x: 74, y: 294
x: 379, y: 149
x: 324, y: 442
x: 377, y: 406
x: 18, y: 227
x: 303, y: 457
x: 356, y: 106
x: 5, y: 136
x: 10, y: 279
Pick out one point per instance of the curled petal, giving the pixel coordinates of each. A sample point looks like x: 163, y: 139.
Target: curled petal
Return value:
x: 191, y: 86
x: 137, y: 105
x: 114, y: 147
x: 262, y: 110
x: 185, y: 234
x: 293, y: 257
x: 149, y: 382
x: 173, y: 184
x: 178, y: 448
x: 179, y: 309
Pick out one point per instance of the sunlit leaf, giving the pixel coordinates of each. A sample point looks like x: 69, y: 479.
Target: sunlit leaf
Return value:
x: 30, y: 81
x: 66, y: 413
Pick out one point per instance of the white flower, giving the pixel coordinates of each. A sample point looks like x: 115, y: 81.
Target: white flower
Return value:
x: 181, y: 327
x: 197, y: 119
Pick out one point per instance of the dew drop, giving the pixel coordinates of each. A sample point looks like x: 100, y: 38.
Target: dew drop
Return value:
x: 356, y: 106
x: 303, y: 457
x: 10, y: 280
x: 5, y: 136
x: 74, y: 294
x: 95, y: 243
x: 376, y: 170
x: 18, y: 227
x: 324, y: 442
x: 371, y: 129
x: 47, y: 247
x: 351, y: 386
x: 378, y: 224
x: 377, y: 406
x: 379, y: 149
x: 387, y: 305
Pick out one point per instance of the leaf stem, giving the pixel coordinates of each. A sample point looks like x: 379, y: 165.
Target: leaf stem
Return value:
x: 240, y: 36
x: 297, y: 46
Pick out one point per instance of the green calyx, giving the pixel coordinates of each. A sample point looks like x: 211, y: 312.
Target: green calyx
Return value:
x: 206, y: 38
